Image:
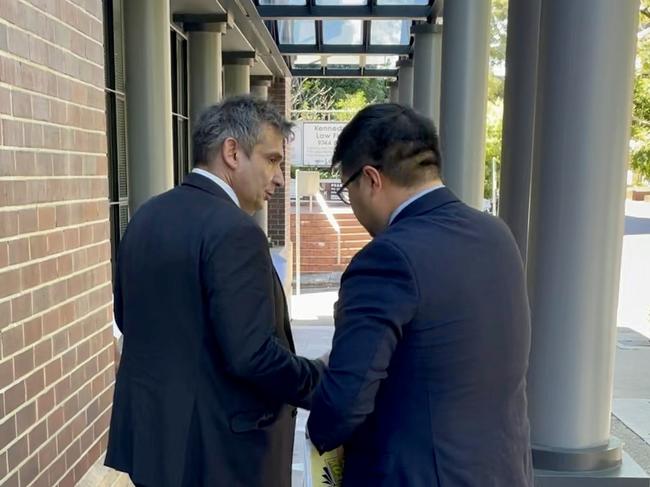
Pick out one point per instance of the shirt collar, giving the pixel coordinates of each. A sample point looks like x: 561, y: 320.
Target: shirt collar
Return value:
x: 218, y: 181
x: 417, y: 196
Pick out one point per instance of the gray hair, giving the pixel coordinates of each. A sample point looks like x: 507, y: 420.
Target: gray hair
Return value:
x: 239, y: 117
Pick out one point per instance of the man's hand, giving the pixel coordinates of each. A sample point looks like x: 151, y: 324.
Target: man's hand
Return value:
x: 325, y: 358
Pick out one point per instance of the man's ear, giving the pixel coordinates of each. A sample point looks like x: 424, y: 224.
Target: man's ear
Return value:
x: 373, y: 177
x: 229, y: 153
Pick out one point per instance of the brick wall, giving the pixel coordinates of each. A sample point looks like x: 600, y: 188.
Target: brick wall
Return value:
x: 56, y: 357
x: 280, y: 96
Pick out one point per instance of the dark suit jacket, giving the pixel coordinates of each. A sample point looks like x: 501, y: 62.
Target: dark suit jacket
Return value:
x: 207, y: 374
x: 427, y: 378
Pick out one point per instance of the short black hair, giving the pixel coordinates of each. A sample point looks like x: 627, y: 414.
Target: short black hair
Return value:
x: 391, y: 136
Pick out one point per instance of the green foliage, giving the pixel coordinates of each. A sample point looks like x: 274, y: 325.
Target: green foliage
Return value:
x: 323, y: 94
x: 640, y: 142
x: 493, y: 142
x: 351, y: 103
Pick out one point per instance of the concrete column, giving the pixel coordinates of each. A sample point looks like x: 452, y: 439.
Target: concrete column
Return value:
x: 519, y: 117
x: 206, y: 69
x: 582, y: 129
x: 405, y: 85
x: 149, y: 91
x: 237, y: 72
x: 260, y: 89
x: 394, y: 92
x: 463, y: 104
x: 427, y: 60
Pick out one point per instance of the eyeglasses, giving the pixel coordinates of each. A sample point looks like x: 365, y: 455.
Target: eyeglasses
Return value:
x: 342, y: 193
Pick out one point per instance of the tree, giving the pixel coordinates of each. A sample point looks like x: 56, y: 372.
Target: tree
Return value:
x: 494, y: 120
x: 322, y: 94
x: 640, y: 141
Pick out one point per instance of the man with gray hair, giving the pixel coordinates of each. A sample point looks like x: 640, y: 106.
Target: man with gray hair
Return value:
x: 208, y: 384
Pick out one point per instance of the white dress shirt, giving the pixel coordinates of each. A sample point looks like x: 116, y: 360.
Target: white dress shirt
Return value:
x: 220, y: 182
x: 419, y: 195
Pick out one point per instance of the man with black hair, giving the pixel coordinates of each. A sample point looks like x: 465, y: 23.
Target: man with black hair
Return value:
x: 426, y: 383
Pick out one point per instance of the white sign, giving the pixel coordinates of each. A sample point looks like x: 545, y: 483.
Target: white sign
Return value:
x: 318, y: 140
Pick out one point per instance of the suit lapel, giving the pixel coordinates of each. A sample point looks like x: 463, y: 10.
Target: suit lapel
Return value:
x: 284, y: 324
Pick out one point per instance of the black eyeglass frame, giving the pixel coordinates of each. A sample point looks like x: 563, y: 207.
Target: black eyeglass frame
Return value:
x: 355, y: 175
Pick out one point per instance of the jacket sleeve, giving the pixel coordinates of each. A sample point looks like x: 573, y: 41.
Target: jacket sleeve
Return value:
x: 378, y: 296
x: 238, y: 282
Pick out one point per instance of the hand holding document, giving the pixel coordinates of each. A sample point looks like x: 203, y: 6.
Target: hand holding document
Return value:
x: 324, y: 470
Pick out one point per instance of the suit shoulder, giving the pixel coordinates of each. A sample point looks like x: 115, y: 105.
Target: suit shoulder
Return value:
x: 382, y: 251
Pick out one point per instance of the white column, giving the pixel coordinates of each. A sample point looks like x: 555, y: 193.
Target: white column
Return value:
x: 463, y: 104
x: 149, y: 93
x: 427, y: 60
x: 205, y: 69
x: 405, y: 83
x: 519, y: 117
x: 237, y: 72
x: 582, y: 131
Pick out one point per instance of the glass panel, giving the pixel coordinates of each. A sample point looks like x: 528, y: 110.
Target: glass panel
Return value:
x: 342, y: 32
x: 174, y: 66
x: 306, y: 62
x: 118, y: 29
x: 343, y: 62
x: 381, y: 62
x: 283, y: 2
x: 402, y: 2
x: 341, y: 2
x: 297, y: 32
x: 390, y: 32
x: 122, y: 161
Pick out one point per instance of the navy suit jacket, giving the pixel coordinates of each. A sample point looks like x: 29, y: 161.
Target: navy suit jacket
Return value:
x: 427, y: 378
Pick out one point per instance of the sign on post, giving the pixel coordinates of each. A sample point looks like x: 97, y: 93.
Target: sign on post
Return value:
x: 315, y: 142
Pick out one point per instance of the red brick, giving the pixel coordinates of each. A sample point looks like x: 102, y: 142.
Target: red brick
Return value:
x: 21, y: 307
x: 6, y: 372
x: 4, y: 254
x: 47, y: 454
x: 31, y: 276
x: 14, y: 397
x: 12, y: 340
x: 27, y: 222
x: 46, y: 217
x: 7, y: 432
x: 3, y: 465
x: 5, y: 314
x: 54, y: 424
x: 7, y: 160
x: 29, y: 471
x: 48, y: 270
x: 17, y: 453
x: 35, y: 383
x: 21, y: 104
x: 33, y: 330
x: 55, y: 243
x: 43, y: 352
x: 18, y: 251
x: 25, y: 418
x: 9, y: 282
x: 38, y: 246
x: 53, y: 372
x: 50, y: 322
x: 12, y: 133
x: 24, y: 362
x: 18, y: 43
x: 12, y: 481
x: 33, y: 135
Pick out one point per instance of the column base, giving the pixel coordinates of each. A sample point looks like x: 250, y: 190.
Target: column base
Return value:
x: 627, y: 474
x: 600, y: 458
